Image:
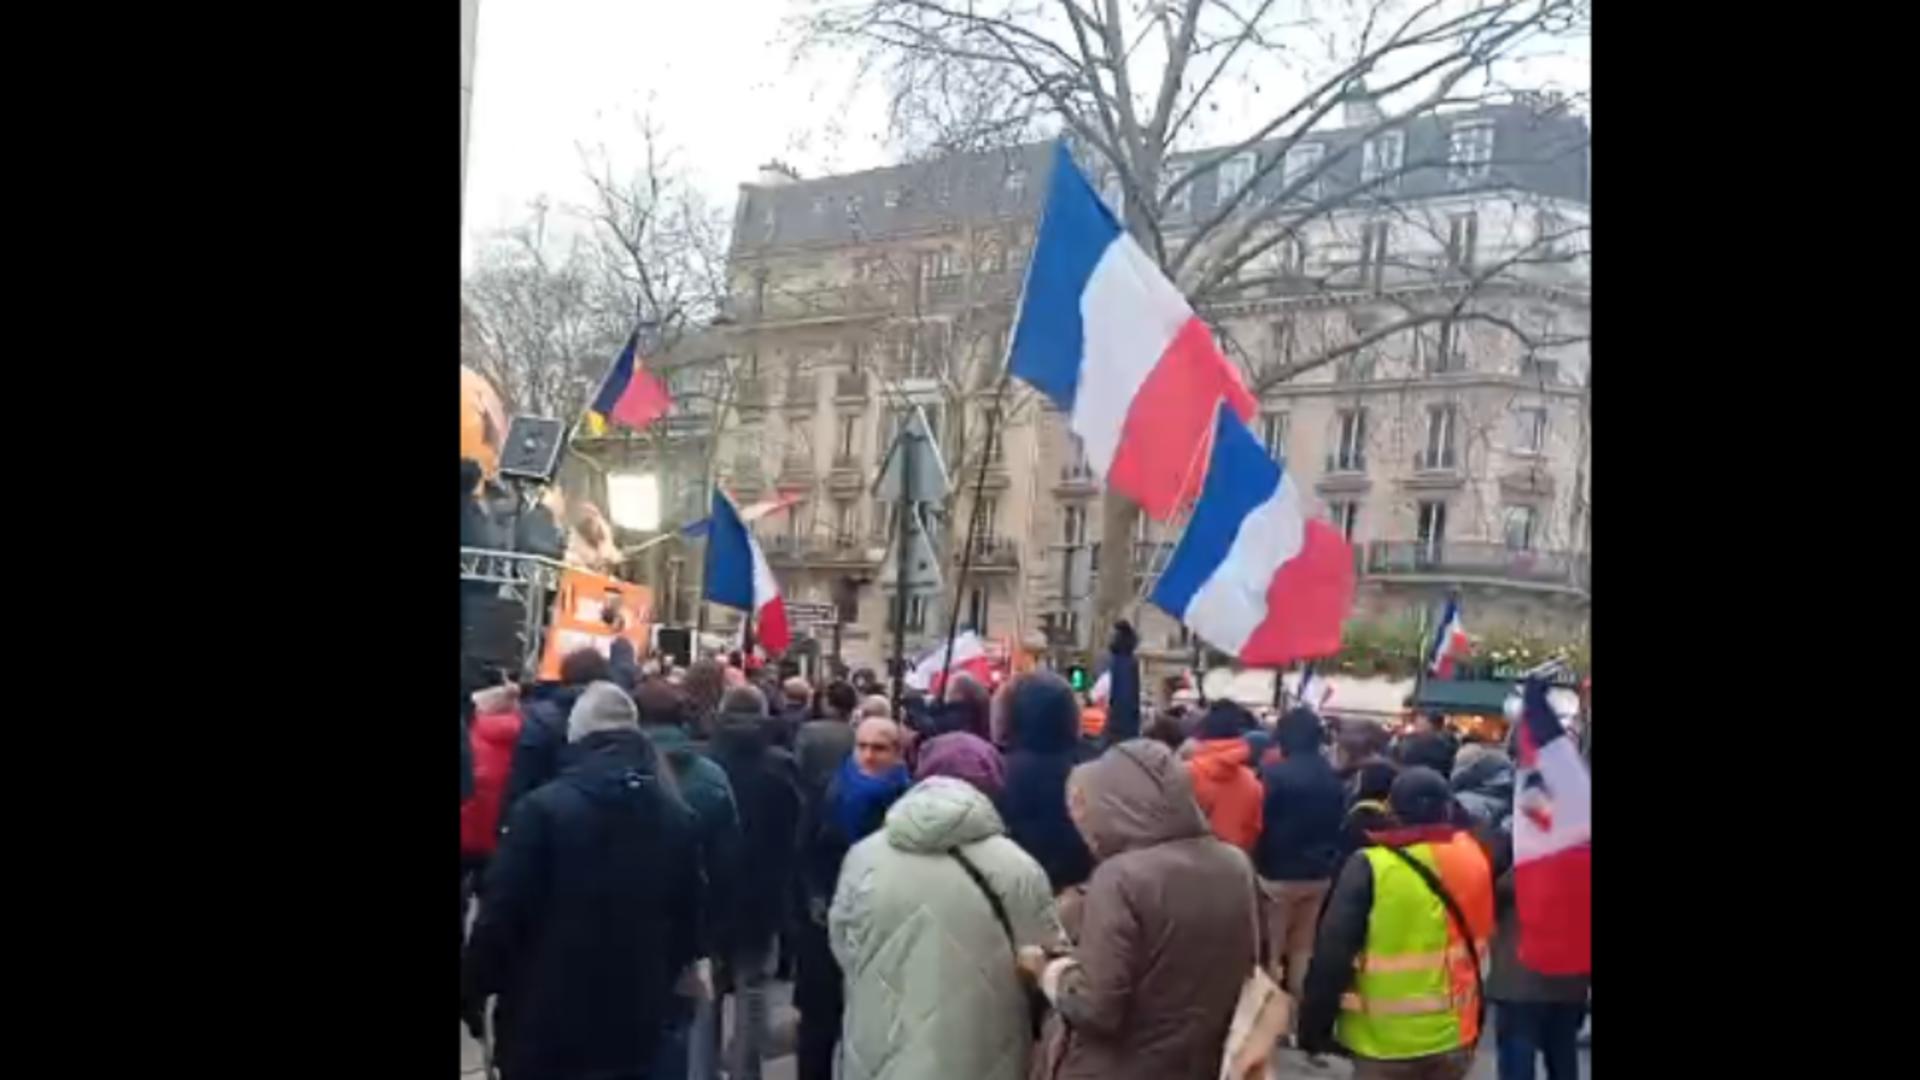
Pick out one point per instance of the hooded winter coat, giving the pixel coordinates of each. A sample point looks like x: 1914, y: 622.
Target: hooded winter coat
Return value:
x: 1045, y: 746
x: 1483, y: 785
x: 1167, y: 933
x: 587, y: 916
x: 766, y: 792
x: 1227, y: 790
x: 541, y: 751
x: 491, y: 737
x: 932, y: 985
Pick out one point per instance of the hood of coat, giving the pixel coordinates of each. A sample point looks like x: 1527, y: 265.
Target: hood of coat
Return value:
x: 939, y: 814
x: 497, y: 728
x: 1135, y: 795
x: 1044, y: 717
x: 1216, y: 759
x: 740, y: 736
x: 1483, y: 770
x: 612, y: 766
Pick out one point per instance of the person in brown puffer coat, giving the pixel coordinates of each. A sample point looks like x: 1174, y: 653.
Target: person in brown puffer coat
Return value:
x: 1166, y: 932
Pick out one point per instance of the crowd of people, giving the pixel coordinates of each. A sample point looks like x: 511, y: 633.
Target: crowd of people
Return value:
x: 985, y: 885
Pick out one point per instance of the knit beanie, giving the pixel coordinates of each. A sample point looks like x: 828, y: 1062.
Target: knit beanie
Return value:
x: 602, y: 707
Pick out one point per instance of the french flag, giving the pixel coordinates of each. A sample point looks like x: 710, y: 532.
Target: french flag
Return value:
x: 1253, y: 574
x: 1104, y: 335
x: 1449, y: 642
x: 738, y: 576
x: 1552, y: 843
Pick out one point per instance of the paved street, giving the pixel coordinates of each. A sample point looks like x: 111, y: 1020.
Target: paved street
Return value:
x: 1288, y: 1065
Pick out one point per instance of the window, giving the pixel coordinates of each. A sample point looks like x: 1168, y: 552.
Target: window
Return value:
x: 1016, y: 180
x: 1382, y: 157
x: 1443, y: 350
x: 796, y: 525
x: 1529, y: 430
x: 848, y: 443
x: 1074, y: 524
x: 1355, y: 367
x: 1433, y: 531
x: 977, y: 609
x: 1302, y: 160
x: 1182, y: 200
x: 916, y: 612
x: 1549, y: 233
x: 1142, y: 528
x: 845, y: 525
x: 1284, y: 337
x: 1373, y: 253
x: 1344, y: 513
x: 989, y: 519
x: 1539, y: 369
x: 1235, y: 173
x: 856, y: 205
x: 1350, y: 449
x: 1441, y: 422
x: 1290, y: 257
x: 1077, y: 467
x: 892, y: 199
x: 1469, y: 152
x: 940, y: 264
x: 996, y: 448
x: 1521, y: 524
x: 882, y: 521
x: 1463, y: 240
x: 1273, y: 434
x: 819, y: 205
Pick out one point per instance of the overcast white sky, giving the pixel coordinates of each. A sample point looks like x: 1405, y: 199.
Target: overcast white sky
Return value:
x: 551, y: 75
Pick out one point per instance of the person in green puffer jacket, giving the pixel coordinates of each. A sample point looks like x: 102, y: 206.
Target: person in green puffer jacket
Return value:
x: 933, y: 988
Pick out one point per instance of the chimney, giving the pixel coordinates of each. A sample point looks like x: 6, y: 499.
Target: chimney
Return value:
x: 775, y: 173
x: 1361, y: 109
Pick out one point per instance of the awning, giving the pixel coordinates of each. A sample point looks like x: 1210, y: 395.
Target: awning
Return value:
x: 1481, y: 697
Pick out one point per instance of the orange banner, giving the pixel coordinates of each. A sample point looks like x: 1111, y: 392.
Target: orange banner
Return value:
x: 579, y: 617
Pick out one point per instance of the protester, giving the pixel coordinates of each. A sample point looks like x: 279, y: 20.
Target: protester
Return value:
x: 967, y: 756
x: 966, y: 706
x: 1536, y: 1017
x: 1223, y: 779
x: 589, y: 911
x: 705, y: 681
x: 1483, y: 784
x: 1167, y: 933
x: 1395, y: 977
x: 1093, y: 719
x: 926, y: 921
x: 876, y: 705
x: 855, y: 804
x: 1299, y: 847
x: 477, y: 527
x: 1044, y: 749
x: 1123, y: 684
x: 542, y: 749
x: 491, y: 735
x: 821, y: 745
x: 796, y: 708
x: 767, y: 790
x: 623, y: 668
x: 1366, y: 801
x: 1358, y: 741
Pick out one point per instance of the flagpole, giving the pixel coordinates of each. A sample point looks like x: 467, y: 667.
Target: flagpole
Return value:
x: 973, y: 524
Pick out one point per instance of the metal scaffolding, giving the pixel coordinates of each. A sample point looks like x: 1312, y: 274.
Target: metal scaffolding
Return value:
x: 528, y: 580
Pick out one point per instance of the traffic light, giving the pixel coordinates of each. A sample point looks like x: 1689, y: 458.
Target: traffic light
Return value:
x: 1077, y: 678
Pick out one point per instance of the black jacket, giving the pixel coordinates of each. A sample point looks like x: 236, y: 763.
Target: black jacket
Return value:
x: 766, y: 789
x: 541, y: 750
x: 1301, y: 819
x: 1123, y: 700
x: 1044, y: 747
x: 587, y: 917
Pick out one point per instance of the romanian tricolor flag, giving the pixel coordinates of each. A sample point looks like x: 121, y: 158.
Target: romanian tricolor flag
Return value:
x: 631, y: 394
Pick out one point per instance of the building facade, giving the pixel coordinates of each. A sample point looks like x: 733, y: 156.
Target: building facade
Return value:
x: 1442, y: 263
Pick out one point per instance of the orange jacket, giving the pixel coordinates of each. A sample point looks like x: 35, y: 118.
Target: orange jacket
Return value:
x: 1227, y: 790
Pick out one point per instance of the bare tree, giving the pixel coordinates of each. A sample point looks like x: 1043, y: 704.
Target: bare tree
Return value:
x: 1138, y: 86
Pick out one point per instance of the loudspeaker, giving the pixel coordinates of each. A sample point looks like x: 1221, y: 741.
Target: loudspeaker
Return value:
x: 491, y: 631
x: 532, y: 450
x: 676, y: 642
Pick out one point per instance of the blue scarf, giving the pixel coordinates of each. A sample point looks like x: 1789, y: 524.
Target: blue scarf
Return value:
x: 860, y: 801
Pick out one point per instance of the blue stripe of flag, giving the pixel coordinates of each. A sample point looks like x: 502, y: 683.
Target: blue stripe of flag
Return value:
x: 1240, y: 476
x: 1076, y: 230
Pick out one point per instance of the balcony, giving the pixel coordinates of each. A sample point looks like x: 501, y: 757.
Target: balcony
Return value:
x: 1457, y: 560
x: 1076, y: 480
x: 796, y: 468
x: 849, y: 388
x: 1435, y: 471
x: 995, y: 553
x: 1345, y: 474
x: 848, y: 473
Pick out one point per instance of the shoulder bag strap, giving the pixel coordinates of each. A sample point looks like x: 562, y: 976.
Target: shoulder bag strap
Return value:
x: 993, y: 898
x: 1459, y: 920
